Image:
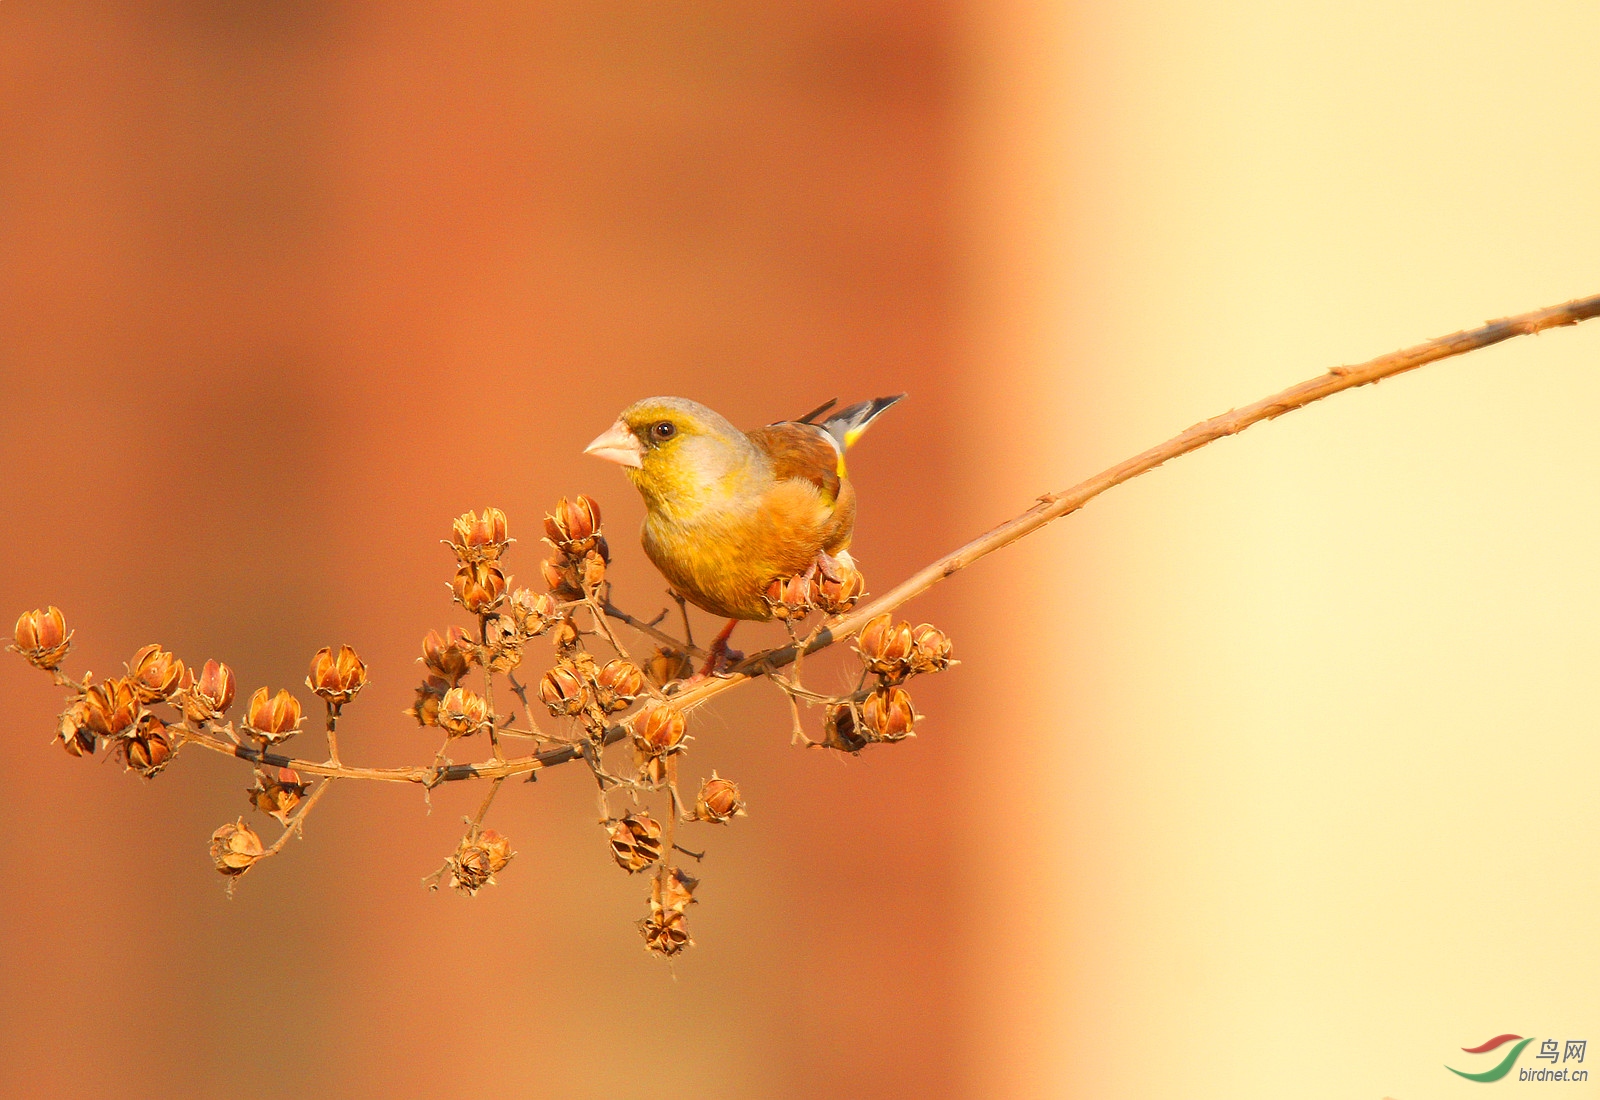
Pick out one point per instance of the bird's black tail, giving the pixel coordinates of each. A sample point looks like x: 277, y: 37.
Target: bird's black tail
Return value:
x: 848, y: 423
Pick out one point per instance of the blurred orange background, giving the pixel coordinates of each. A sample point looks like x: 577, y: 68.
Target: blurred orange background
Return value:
x: 1271, y: 773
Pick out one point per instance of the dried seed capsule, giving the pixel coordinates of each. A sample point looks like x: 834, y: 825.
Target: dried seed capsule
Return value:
x: 564, y: 636
x: 658, y: 730
x: 574, y: 525
x: 211, y: 695
x: 277, y: 792
x: 841, y: 731
x: 235, y: 847
x: 42, y: 638
x: 620, y: 683
x: 113, y: 707
x: 930, y: 648
x: 479, y: 586
x: 719, y: 800
x: 462, y: 712
x: 635, y: 842
x: 563, y: 691
x: 430, y: 694
x: 448, y: 655
x: 273, y: 719
x: 155, y: 674
x: 836, y: 597
x: 480, y: 538
x: 498, y: 847
x: 788, y: 597
x: 72, y: 730
x: 672, y: 891
x: 888, y: 714
x: 562, y: 577
x: 531, y: 612
x: 666, y: 665
x: 502, y: 642
x: 147, y: 748
x: 665, y: 933
x: 337, y: 677
x: 592, y: 572
x: 477, y: 860
x: 885, y: 648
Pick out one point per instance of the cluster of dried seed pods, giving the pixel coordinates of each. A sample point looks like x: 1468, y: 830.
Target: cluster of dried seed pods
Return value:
x: 620, y: 716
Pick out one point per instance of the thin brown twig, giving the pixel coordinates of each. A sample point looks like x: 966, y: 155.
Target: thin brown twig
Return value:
x: 488, y: 689
x: 1051, y: 506
x: 483, y: 808
x: 653, y: 631
x: 295, y: 822
x: 683, y: 610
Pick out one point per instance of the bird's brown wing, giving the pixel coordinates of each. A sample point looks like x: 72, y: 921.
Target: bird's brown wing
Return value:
x: 801, y: 451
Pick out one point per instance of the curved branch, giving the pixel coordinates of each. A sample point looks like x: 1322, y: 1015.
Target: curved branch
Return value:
x: 1051, y: 506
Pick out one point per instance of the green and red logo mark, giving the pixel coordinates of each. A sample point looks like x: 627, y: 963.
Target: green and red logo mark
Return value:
x: 1506, y: 1063
x: 1550, y: 1050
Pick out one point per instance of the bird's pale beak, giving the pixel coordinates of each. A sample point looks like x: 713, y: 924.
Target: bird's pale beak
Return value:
x: 617, y: 444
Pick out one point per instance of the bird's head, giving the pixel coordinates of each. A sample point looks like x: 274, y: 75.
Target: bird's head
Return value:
x: 680, y: 455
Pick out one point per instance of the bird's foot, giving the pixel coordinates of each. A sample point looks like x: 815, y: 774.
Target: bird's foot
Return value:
x: 720, y: 657
x: 718, y: 663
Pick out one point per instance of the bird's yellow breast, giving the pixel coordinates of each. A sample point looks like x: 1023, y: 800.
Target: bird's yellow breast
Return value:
x: 721, y: 560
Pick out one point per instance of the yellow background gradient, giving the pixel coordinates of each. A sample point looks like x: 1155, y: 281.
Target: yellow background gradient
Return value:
x: 1271, y: 773
x: 1299, y: 797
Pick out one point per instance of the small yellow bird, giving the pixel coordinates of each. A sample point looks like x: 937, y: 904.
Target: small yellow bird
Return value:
x: 728, y: 511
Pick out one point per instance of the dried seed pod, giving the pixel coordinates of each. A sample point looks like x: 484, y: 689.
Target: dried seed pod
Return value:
x: 930, y: 648
x: 42, y: 638
x: 841, y: 730
x: 72, y: 730
x: 562, y: 577
x: 574, y: 526
x: 719, y: 800
x: 635, y: 842
x: 835, y: 597
x: 155, y: 674
x: 788, y: 597
x: 235, y: 847
x: 885, y: 648
x: 532, y: 612
x: 273, y: 719
x: 665, y: 933
x: 479, y: 538
x: 620, y: 683
x: 211, y: 695
x: 430, y: 693
x: 337, y: 677
x: 498, y: 847
x: 564, y: 635
x: 476, y: 861
x: 672, y: 891
x: 462, y: 712
x: 449, y: 656
x: 147, y: 748
x: 479, y: 586
x: 592, y: 572
x: 888, y: 714
x: 113, y: 707
x: 658, y: 730
x: 277, y: 792
x: 563, y: 691
x: 503, y: 643
x: 666, y: 665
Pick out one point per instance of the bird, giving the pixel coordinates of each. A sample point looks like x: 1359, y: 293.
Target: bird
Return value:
x: 726, y: 511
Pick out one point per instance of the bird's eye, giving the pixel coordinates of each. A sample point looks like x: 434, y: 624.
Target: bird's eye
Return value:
x: 663, y: 430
